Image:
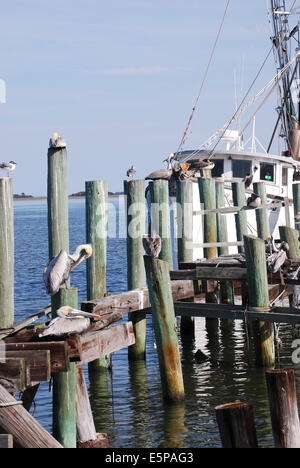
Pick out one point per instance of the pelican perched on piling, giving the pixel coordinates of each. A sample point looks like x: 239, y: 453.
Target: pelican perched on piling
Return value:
x: 56, y: 141
x: 58, y: 270
x: 254, y: 201
x: 277, y: 259
x: 152, y: 245
x: 68, y: 322
x: 8, y: 167
x: 164, y: 174
x: 131, y: 172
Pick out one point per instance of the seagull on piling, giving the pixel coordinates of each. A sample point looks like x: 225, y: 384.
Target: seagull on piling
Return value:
x: 254, y: 201
x: 68, y: 322
x: 58, y: 270
x: 131, y: 172
x: 8, y: 167
x: 56, y: 141
x: 152, y: 245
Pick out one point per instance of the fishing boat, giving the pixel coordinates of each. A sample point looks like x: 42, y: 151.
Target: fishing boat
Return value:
x: 234, y: 159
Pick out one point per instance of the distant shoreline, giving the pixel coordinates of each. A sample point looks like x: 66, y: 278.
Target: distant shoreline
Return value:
x: 70, y: 197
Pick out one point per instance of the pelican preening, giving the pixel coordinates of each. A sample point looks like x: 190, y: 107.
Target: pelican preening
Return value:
x: 68, y: 322
x: 277, y: 259
x: 56, y: 141
x: 249, y: 179
x: 58, y: 270
x: 8, y: 167
x: 254, y: 201
x: 152, y: 245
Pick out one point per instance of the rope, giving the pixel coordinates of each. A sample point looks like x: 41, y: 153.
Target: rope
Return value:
x: 12, y: 403
x: 184, y: 138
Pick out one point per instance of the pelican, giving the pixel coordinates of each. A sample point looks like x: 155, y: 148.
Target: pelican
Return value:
x: 58, y: 270
x: 164, y: 174
x: 68, y: 322
x: 8, y: 167
x: 254, y: 201
x: 277, y: 259
x: 296, y: 175
x: 152, y: 245
x: 249, y: 179
x: 131, y: 172
x: 56, y: 141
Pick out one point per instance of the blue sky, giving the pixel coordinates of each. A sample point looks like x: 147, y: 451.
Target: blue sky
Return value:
x: 118, y: 80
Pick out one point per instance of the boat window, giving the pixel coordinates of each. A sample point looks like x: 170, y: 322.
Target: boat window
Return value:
x: 267, y: 172
x: 241, y: 169
x: 218, y: 170
x: 285, y: 176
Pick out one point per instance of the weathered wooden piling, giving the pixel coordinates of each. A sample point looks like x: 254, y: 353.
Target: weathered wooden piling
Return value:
x: 257, y: 280
x: 239, y: 199
x: 164, y: 322
x: 6, y: 253
x: 184, y: 200
x: 64, y: 384
x: 96, y: 235
x: 207, y: 189
x: 291, y: 236
x: 236, y: 425
x: 136, y: 277
x: 296, y: 198
x: 284, y: 408
x: 160, y: 217
x: 262, y: 220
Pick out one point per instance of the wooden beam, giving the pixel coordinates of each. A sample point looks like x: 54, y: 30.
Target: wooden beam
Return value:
x: 6, y: 441
x: 210, y: 273
x: 24, y: 323
x: 138, y: 299
x: 237, y: 209
x: 26, y: 431
x: 15, y: 373
x: 84, y: 418
x: 39, y: 363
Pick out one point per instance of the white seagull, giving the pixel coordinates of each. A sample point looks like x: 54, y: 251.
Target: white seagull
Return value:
x: 58, y: 270
x: 68, y: 322
x: 56, y: 141
x: 8, y: 167
x: 131, y: 172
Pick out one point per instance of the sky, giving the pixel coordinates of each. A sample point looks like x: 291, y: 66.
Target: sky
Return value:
x: 118, y: 80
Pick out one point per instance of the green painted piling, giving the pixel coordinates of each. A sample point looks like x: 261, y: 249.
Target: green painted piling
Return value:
x: 262, y: 219
x: 291, y: 236
x: 136, y: 277
x: 160, y: 217
x: 164, y: 322
x: 6, y: 253
x: 257, y: 280
x: 64, y: 384
x: 184, y: 199
x: 296, y: 198
x: 239, y: 199
x: 96, y: 234
x: 207, y: 189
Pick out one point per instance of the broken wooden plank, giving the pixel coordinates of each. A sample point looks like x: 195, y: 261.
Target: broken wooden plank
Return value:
x: 26, y: 431
x: 138, y: 299
x: 59, y: 352
x: 104, y: 321
x: 27, y: 321
x: 84, y: 418
x: 39, y: 364
x: 97, y: 344
x: 6, y: 441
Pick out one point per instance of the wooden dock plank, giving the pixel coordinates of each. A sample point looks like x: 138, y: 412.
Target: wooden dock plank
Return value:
x: 59, y: 352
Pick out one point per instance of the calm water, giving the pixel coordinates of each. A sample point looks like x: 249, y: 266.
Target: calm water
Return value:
x: 127, y: 402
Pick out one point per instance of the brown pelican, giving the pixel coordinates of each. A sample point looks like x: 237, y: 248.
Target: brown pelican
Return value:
x: 56, y: 141
x: 254, y: 201
x: 8, y: 167
x: 58, y: 270
x: 68, y: 322
x: 164, y: 174
x: 152, y: 245
x: 249, y: 178
x: 131, y: 172
x: 296, y: 175
x: 277, y: 259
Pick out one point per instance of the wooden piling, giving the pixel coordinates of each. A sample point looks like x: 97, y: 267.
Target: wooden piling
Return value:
x: 64, y: 384
x: 96, y: 235
x: 184, y: 199
x: 6, y: 253
x: 291, y: 236
x: 136, y: 277
x: 164, y: 322
x: 236, y: 425
x: 296, y: 198
x: 284, y: 408
x: 160, y: 217
x: 207, y: 189
x: 257, y: 280
x: 262, y: 220
x: 239, y: 199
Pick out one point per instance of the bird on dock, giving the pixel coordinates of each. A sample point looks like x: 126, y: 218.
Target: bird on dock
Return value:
x: 248, y: 180
x: 131, y: 172
x: 58, y: 270
x: 296, y: 175
x: 8, y: 167
x: 152, y: 245
x: 164, y: 174
x: 56, y: 141
x: 68, y: 322
x: 254, y: 201
x: 277, y: 259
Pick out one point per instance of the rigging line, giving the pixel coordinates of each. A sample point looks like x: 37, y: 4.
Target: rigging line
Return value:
x: 184, y: 138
